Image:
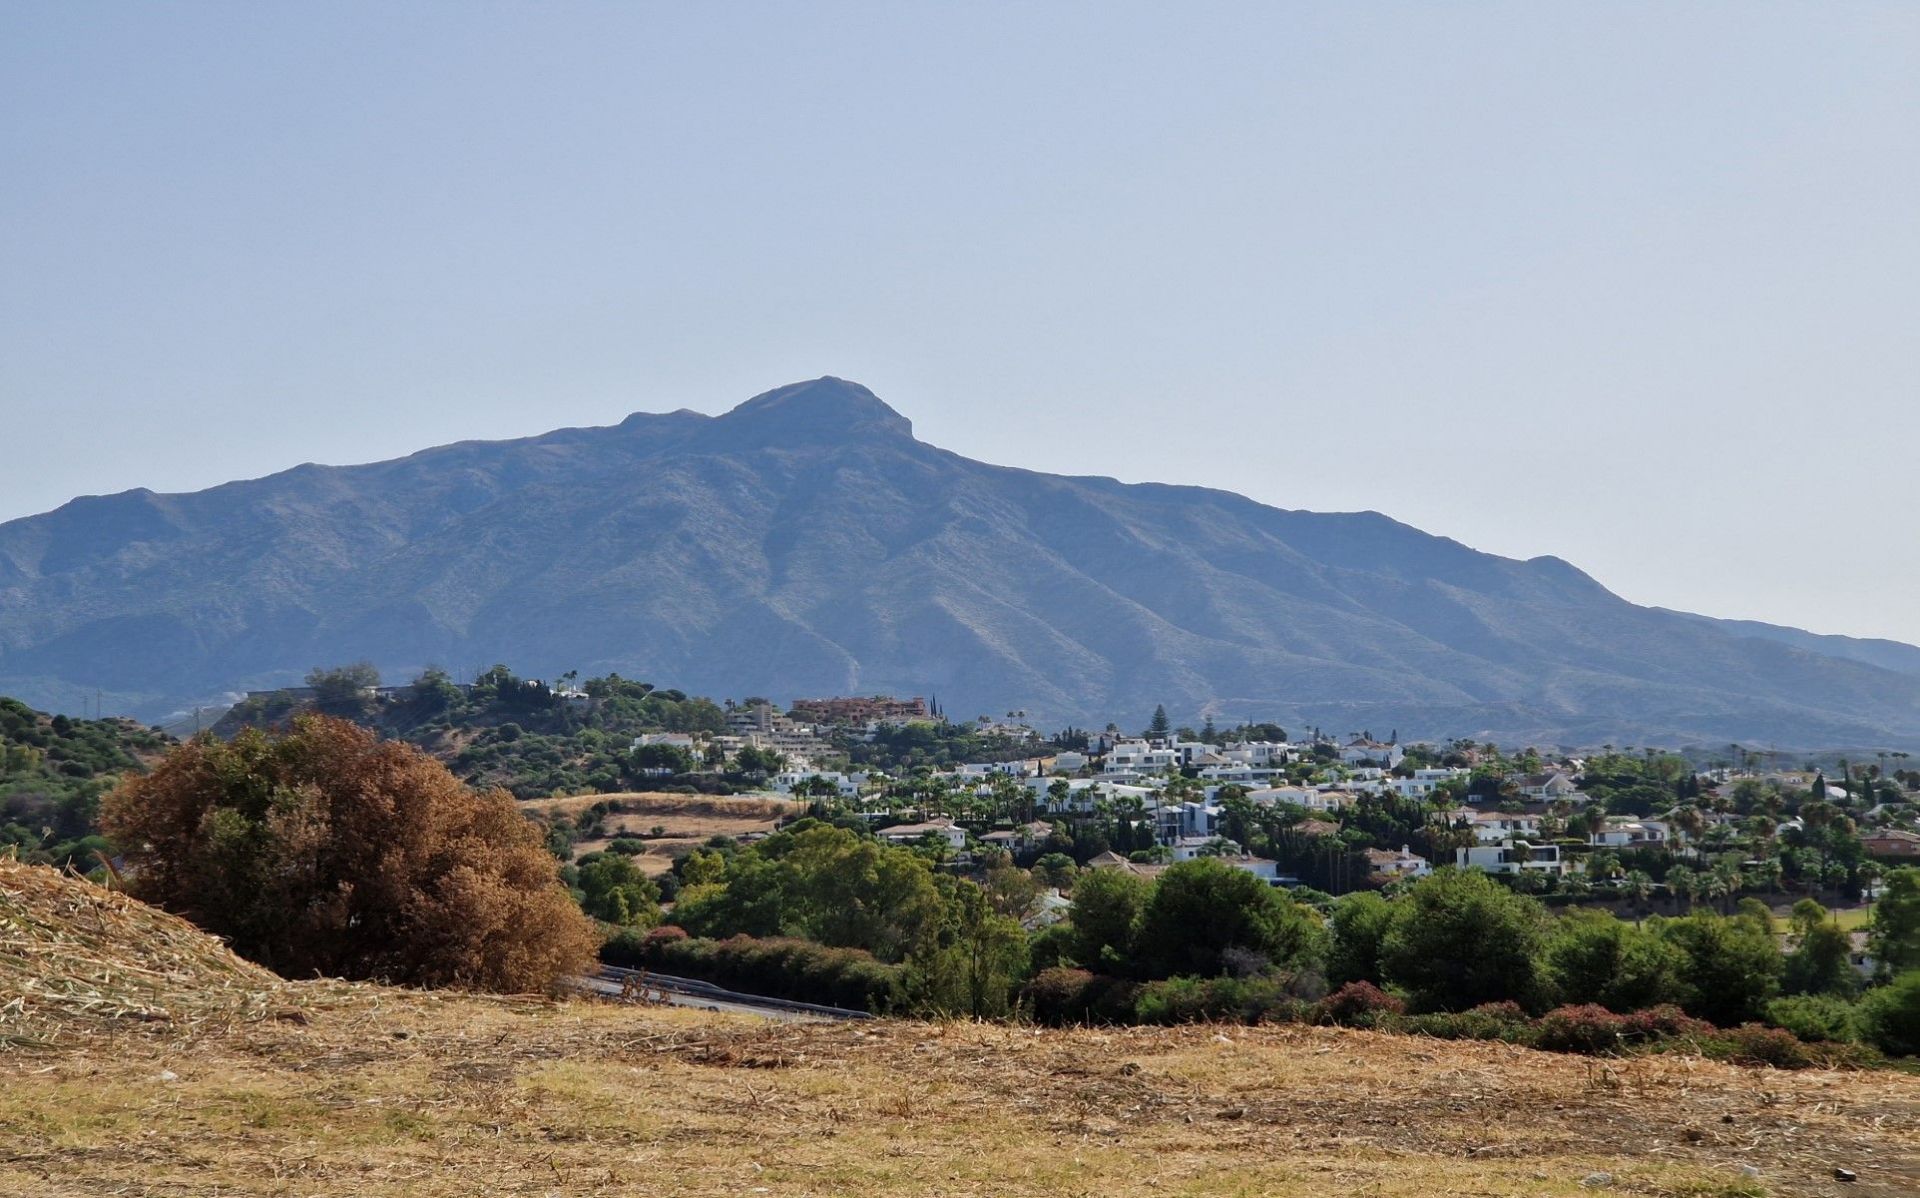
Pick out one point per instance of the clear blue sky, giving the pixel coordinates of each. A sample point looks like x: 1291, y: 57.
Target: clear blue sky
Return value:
x: 1638, y: 286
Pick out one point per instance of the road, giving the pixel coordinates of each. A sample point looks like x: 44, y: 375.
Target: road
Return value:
x: 705, y: 996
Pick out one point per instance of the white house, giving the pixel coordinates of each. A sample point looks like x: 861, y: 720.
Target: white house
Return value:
x: 1505, y: 858
x: 1624, y: 833
x: 1023, y: 837
x: 673, y: 740
x: 1403, y: 864
x: 1139, y: 757
x: 847, y: 786
x: 952, y: 833
x: 1361, y: 751
x: 1554, y: 786
x: 1492, y: 827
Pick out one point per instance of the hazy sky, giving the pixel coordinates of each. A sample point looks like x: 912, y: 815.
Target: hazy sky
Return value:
x: 1638, y: 286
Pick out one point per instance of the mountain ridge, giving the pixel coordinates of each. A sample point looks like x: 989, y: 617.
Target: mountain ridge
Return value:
x: 806, y: 542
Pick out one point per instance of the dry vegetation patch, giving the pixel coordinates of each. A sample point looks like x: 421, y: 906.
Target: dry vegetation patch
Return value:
x: 686, y: 821
x: 380, y: 1092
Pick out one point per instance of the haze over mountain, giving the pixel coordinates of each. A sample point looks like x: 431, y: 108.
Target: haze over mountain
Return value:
x: 805, y: 543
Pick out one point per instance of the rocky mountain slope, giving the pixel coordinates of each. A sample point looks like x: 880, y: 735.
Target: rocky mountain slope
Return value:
x: 806, y: 543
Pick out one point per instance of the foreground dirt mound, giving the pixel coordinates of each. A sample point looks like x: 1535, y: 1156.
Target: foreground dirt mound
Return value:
x: 79, y: 960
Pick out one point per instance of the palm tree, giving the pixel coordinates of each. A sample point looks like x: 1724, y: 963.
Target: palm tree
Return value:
x: 1637, y: 886
x: 1683, y: 882
x: 1723, y: 882
x: 1688, y: 822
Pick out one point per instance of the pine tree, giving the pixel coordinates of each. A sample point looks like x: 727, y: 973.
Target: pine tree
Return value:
x: 1160, y: 723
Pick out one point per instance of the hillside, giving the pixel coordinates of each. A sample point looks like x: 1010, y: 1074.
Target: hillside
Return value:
x: 171, y: 1068
x: 53, y: 771
x: 807, y: 543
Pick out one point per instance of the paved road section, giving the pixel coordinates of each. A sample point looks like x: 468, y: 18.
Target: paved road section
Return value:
x: 613, y: 981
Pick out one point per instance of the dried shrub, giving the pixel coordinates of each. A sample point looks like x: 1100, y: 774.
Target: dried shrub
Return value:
x: 1359, y: 1004
x: 325, y: 850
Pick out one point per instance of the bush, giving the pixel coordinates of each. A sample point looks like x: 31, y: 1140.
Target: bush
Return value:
x: 1061, y: 996
x: 630, y: 947
x: 1588, y: 1028
x: 1664, y: 1022
x: 325, y: 850
x: 1758, y: 1044
x: 1489, y: 1021
x: 1358, y: 1004
x: 1816, y: 1018
x: 1201, y: 1000
x: 1890, y: 1016
x: 778, y: 967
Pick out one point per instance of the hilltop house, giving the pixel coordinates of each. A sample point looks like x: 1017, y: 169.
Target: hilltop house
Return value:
x: 1361, y: 751
x: 946, y: 829
x: 1506, y: 858
x: 1384, y: 863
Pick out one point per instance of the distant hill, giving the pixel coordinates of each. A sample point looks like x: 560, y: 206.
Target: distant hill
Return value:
x: 807, y: 543
x: 53, y: 770
x: 1888, y: 655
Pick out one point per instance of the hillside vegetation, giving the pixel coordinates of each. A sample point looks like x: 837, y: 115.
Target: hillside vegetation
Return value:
x: 53, y: 771
x: 193, y: 1074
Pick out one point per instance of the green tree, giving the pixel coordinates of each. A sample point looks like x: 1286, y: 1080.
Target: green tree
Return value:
x: 822, y: 883
x: 1106, y: 909
x: 1206, y: 918
x: 1637, y: 885
x: 342, y: 688
x: 1056, y: 870
x: 614, y: 890
x: 1733, y: 965
x: 968, y: 961
x: 1893, y: 936
x: 1591, y: 957
x: 1459, y: 939
x: 1359, y: 924
x: 1160, y: 725
x: 1890, y: 1016
x: 1821, y: 963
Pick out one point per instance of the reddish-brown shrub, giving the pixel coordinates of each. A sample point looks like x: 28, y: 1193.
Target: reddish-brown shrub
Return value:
x: 325, y: 850
x: 1587, y: 1028
x: 1359, y: 1004
x: 1758, y: 1044
x: 1664, y: 1022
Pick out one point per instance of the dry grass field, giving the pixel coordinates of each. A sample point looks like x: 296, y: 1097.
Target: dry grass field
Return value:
x: 141, y: 1060
x: 688, y: 820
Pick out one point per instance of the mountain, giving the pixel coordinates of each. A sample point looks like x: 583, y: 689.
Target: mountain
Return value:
x: 806, y: 543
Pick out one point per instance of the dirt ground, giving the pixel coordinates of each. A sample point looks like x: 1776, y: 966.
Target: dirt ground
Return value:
x: 365, y: 1091
x: 139, y: 1057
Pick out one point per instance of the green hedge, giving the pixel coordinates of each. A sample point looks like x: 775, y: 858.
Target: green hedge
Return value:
x: 776, y: 967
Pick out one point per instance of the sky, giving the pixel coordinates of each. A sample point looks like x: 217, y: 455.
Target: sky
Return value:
x: 1634, y: 285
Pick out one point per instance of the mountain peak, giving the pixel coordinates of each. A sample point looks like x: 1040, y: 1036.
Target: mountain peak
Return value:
x: 819, y: 409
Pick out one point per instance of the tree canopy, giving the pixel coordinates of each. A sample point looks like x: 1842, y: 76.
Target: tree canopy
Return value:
x: 325, y: 850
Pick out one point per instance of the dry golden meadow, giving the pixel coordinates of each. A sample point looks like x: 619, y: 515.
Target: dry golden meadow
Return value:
x: 137, y: 1057
x: 688, y: 821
